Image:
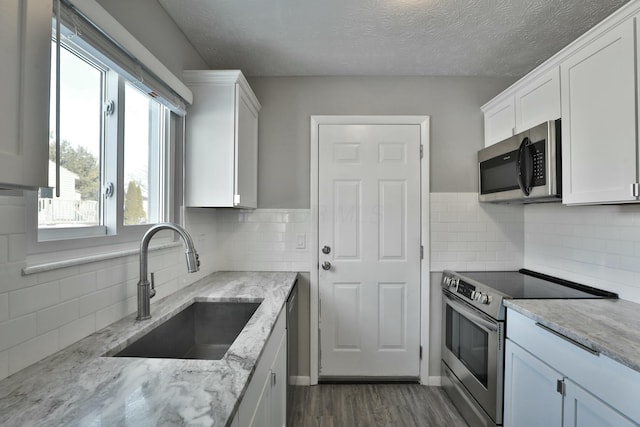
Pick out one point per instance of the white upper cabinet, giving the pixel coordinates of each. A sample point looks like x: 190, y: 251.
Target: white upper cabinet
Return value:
x: 592, y: 84
x: 533, y: 100
x: 499, y: 120
x: 599, y: 139
x: 221, y: 154
x: 25, y: 48
x: 537, y: 100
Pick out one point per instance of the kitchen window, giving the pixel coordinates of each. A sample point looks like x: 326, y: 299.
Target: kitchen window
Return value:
x: 119, y: 129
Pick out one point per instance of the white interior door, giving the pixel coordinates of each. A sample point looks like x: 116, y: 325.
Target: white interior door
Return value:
x: 369, y: 218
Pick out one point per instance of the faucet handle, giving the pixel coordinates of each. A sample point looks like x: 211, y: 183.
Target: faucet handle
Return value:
x: 152, y: 292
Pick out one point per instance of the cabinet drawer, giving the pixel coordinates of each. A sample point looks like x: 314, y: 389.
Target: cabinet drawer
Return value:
x: 602, y: 376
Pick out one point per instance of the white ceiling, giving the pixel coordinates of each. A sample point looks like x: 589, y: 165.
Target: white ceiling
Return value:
x: 384, y: 37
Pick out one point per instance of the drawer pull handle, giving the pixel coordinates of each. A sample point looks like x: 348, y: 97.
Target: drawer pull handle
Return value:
x: 572, y: 341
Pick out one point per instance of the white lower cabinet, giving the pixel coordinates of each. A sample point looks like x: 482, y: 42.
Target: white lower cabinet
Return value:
x: 528, y: 380
x: 550, y: 381
x: 278, y: 397
x: 264, y: 403
x: 582, y: 409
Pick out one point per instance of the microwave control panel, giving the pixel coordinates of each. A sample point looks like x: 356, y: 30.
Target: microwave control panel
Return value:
x: 538, y: 157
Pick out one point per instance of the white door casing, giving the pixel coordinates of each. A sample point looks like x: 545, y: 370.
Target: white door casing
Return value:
x: 369, y: 215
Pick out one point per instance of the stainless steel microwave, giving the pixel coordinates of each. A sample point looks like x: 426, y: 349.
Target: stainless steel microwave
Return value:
x: 526, y: 168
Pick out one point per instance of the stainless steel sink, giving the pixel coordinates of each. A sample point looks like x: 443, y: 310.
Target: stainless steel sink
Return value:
x: 204, y: 330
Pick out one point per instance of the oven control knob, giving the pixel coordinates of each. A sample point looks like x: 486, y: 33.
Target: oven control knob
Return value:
x: 484, y: 299
x: 447, y: 280
x: 454, y: 283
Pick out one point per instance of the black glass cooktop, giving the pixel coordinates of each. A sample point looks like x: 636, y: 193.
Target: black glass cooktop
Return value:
x: 526, y: 284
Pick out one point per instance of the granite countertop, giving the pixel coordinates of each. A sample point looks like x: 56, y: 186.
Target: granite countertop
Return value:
x: 609, y: 326
x: 77, y: 386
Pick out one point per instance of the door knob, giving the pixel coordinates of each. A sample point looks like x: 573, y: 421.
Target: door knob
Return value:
x: 326, y: 265
x: 326, y: 250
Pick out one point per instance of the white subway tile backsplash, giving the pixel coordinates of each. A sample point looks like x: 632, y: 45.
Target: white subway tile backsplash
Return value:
x: 4, y: 249
x: 468, y: 235
x: 4, y: 364
x: 17, y: 247
x: 12, y: 278
x: 33, y: 350
x: 112, y: 313
x: 33, y: 298
x: 94, y: 301
x: 76, y: 330
x: 595, y: 245
x: 56, y: 316
x: 264, y: 239
x: 15, y: 331
x: 13, y: 218
x: 76, y: 286
x: 4, y: 307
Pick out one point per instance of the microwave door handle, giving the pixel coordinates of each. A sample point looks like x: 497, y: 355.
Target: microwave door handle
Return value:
x: 524, y: 167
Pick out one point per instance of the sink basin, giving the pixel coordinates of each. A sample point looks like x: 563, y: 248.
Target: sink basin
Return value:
x: 204, y: 330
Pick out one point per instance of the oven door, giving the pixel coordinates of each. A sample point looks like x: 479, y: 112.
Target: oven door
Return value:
x: 473, y: 349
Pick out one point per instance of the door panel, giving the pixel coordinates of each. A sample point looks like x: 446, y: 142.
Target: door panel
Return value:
x: 346, y: 210
x: 392, y: 316
x: 346, y: 316
x: 369, y: 215
x: 392, y: 225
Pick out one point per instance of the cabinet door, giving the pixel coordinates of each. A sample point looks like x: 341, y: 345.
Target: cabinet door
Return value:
x: 261, y: 416
x: 582, y: 409
x: 25, y: 48
x: 538, y: 100
x: 246, y: 167
x: 499, y: 121
x: 279, y: 386
x: 599, y: 119
x: 531, y: 398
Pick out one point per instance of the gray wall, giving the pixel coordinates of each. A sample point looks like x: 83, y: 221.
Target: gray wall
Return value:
x: 288, y: 102
x: 150, y: 24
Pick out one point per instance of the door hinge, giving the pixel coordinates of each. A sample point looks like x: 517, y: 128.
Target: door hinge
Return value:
x: 635, y: 189
x: 236, y: 199
x: 561, y: 387
x: 421, y: 252
x: 420, y: 352
x: 421, y: 151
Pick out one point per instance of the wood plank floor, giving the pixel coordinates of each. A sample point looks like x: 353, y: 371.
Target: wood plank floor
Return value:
x: 373, y: 405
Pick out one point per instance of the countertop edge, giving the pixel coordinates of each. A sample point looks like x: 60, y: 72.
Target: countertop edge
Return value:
x: 524, y: 307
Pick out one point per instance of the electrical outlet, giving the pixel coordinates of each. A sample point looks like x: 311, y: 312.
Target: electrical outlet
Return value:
x: 301, y: 241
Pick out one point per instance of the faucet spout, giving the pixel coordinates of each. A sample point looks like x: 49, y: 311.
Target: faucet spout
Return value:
x: 146, y: 289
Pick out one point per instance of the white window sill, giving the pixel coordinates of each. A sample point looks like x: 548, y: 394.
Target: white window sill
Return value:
x: 40, y: 267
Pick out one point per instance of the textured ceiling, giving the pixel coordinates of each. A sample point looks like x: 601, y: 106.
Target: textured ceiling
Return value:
x: 384, y: 37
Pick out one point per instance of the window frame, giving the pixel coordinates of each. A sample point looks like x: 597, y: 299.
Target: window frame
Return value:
x: 171, y: 93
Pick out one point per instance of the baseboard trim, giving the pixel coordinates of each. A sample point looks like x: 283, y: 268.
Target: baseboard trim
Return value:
x: 435, y: 381
x: 299, y: 381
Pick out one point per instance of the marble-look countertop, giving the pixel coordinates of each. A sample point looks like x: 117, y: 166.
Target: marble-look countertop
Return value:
x: 609, y: 326
x: 77, y: 386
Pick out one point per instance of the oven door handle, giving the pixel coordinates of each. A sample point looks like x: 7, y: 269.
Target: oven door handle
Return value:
x: 466, y: 312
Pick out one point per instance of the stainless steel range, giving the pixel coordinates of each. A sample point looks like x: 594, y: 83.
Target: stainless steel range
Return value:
x: 473, y: 333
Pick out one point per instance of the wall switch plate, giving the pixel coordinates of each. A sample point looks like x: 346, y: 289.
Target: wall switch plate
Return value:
x: 301, y: 241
